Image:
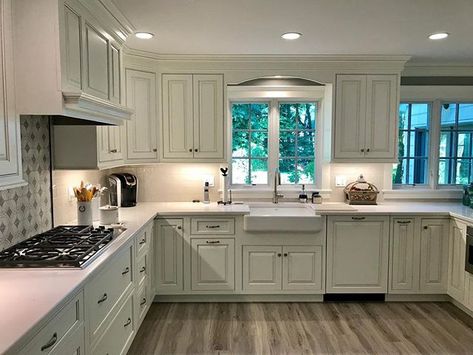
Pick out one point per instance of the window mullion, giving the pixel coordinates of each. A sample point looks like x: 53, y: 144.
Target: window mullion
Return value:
x: 434, y: 143
x: 273, y: 140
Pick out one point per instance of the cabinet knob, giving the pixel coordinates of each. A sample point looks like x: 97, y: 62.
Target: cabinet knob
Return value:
x: 179, y: 227
x: 279, y: 254
x: 426, y: 227
x: 368, y: 150
x: 196, y: 150
x: 190, y: 150
x: 285, y: 254
x: 155, y: 149
x: 362, y: 150
x: 113, y: 151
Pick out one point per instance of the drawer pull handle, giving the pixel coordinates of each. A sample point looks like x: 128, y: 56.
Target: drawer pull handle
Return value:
x: 212, y: 227
x: 126, y: 271
x: 103, y: 299
x: 358, y: 218
x: 403, y: 222
x: 142, y: 241
x: 128, y: 322
x: 143, y: 302
x: 143, y: 269
x: 213, y: 241
x: 113, y: 151
x: 50, y: 343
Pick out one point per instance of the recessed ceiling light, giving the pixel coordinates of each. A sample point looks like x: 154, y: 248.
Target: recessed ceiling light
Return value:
x: 438, y: 35
x: 144, y: 35
x: 291, y: 35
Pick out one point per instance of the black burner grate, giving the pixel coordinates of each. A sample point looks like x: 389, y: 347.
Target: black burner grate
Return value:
x: 63, y: 246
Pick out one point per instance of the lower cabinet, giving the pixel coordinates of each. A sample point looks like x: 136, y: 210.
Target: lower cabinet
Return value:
x: 64, y: 334
x: 457, y: 276
x: 434, y: 255
x: 419, y: 261
x: 213, y: 264
x: 168, y: 246
x: 282, y: 268
x: 357, y: 254
x: 119, y: 333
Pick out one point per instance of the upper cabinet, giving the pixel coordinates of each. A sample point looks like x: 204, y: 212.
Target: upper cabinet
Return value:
x: 10, y: 154
x: 141, y: 130
x: 365, y: 118
x: 193, y: 119
x: 73, y: 65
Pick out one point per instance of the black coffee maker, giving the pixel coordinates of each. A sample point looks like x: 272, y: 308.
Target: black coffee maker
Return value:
x: 123, y: 188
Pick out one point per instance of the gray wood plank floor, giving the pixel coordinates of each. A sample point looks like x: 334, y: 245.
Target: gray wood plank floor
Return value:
x: 304, y: 328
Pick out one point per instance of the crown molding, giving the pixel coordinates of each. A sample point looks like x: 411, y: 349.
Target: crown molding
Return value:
x: 309, y: 58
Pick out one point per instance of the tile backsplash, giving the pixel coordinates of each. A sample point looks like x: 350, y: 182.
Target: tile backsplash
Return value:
x: 26, y: 210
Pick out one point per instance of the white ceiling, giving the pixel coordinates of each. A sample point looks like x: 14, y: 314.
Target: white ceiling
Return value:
x: 328, y: 27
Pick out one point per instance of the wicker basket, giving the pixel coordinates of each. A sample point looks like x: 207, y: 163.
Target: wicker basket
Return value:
x: 361, y: 192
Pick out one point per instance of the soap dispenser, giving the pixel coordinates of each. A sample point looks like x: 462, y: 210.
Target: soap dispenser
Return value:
x: 303, y: 195
x: 206, y: 193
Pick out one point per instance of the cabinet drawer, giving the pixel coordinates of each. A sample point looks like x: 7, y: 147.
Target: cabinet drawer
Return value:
x: 143, y: 240
x: 50, y: 337
x: 103, y: 292
x: 119, y: 333
x: 142, y: 301
x: 142, y: 269
x: 212, y: 226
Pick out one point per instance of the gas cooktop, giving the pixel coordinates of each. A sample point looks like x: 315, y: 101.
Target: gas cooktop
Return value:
x: 60, y: 247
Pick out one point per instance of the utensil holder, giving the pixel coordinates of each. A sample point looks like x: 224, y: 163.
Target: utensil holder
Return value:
x: 84, y: 213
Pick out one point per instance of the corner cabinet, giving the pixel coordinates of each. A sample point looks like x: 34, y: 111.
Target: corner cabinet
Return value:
x: 10, y: 147
x: 141, y: 130
x: 193, y: 118
x: 365, y: 122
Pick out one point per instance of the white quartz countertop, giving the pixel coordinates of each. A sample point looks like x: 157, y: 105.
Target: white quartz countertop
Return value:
x: 29, y: 296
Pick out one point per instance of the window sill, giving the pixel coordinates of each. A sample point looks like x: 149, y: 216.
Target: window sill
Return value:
x: 423, y: 194
x: 264, y: 193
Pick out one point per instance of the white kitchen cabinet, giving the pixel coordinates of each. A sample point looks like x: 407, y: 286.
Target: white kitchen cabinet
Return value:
x: 262, y: 268
x: 110, y: 144
x: 168, y: 251
x: 213, y: 264
x: 76, y: 71
x: 365, y: 118
x: 64, y: 331
x: 193, y: 116
x: 10, y: 147
x: 178, y: 121
x: 404, y: 265
x: 357, y: 254
x: 208, y: 116
x: 141, y: 130
x: 302, y: 268
x: 456, y: 261
x: 434, y: 255
x: 272, y: 269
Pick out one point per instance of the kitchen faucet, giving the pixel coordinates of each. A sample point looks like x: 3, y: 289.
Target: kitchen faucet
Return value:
x: 277, y: 181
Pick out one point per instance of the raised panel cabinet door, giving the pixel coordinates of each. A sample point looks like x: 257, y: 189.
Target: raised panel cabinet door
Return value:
x: 302, y: 268
x: 141, y: 130
x: 381, y: 116
x: 96, y: 63
x: 178, y: 121
x: 213, y: 264
x: 71, y: 344
x: 350, y: 112
x: 456, y: 261
x: 208, y: 116
x: 10, y: 156
x: 434, y: 255
x: 103, y: 143
x: 403, y: 271
x: 115, y: 74
x: 72, y: 47
x: 357, y: 254
x: 168, y: 253
x: 115, y: 142
x: 468, y: 297
x: 262, y: 268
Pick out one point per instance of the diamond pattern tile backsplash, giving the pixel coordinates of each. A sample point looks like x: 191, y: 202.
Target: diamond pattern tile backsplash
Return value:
x: 26, y: 210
